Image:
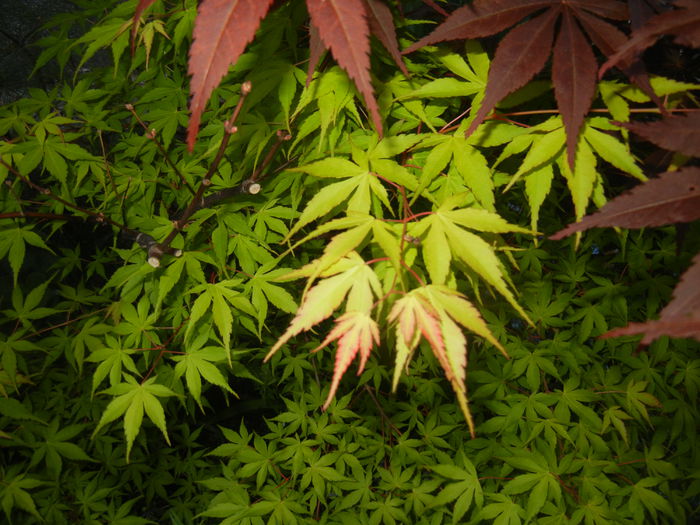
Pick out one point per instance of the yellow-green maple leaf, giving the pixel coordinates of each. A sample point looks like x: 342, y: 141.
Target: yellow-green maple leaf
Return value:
x: 349, y: 277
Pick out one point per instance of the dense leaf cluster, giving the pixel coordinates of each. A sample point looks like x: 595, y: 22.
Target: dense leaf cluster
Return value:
x: 177, y: 316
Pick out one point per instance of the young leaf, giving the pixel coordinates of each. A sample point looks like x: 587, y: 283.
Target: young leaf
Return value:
x: 355, y: 332
x: 445, y: 239
x: 431, y: 312
x: 140, y: 8
x: 349, y: 275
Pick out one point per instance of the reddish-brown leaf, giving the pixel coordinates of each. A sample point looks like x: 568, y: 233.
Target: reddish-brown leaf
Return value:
x: 480, y: 18
x: 520, y: 56
x: 641, y: 11
x: 684, y: 23
x: 677, y: 133
x: 574, y: 70
x: 343, y: 27
x: 673, y: 197
x: 222, y: 30
x: 140, y: 8
x: 381, y: 24
x: 608, y: 38
x: 686, y: 295
x: 523, y: 52
x: 431, y: 3
x: 612, y: 9
x: 680, y: 318
x: 689, y: 327
x: 316, y: 49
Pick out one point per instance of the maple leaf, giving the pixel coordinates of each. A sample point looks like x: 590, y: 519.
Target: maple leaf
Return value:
x: 434, y: 312
x: 523, y: 52
x: 349, y: 277
x: 677, y: 133
x: 444, y: 238
x: 673, y: 197
x: 680, y: 317
x: 342, y: 26
x: 355, y: 332
x: 222, y: 30
x: 683, y: 23
x: 316, y: 49
x: 381, y: 25
x: 140, y: 8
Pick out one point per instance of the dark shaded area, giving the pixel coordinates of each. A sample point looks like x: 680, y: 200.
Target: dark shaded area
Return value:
x: 21, y: 26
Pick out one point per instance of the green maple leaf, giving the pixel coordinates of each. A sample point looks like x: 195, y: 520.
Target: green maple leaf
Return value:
x: 444, y: 237
x: 133, y: 399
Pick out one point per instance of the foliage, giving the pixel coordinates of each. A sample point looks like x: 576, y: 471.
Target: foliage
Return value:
x: 146, y: 273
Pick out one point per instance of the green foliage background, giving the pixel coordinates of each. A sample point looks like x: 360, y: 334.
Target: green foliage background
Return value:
x: 571, y: 429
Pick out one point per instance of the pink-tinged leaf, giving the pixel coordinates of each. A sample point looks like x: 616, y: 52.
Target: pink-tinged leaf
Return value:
x: 684, y: 23
x: 673, y: 197
x: 480, y: 18
x: 677, y: 133
x: 453, y: 356
x: 316, y: 49
x: 381, y: 24
x: 342, y: 25
x: 574, y: 76
x: 520, y: 56
x: 222, y: 30
x: 355, y: 332
x: 140, y: 8
x: 319, y: 304
x: 415, y: 314
x: 680, y: 317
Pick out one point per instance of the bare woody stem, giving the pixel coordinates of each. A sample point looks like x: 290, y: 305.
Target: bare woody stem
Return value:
x: 196, y: 202
x: 151, y: 134
x: 97, y: 216
x: 251, y: 184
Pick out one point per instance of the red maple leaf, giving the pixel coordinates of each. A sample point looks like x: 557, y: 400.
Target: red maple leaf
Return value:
x: 683, y: 24
x: 223, y: 28
x: 677, y: 133
x: 524, y: 51
x: 671, y: 198
x: 680, y: 317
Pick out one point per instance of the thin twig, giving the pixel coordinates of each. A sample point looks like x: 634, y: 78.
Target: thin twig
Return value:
x: 151, y: 134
